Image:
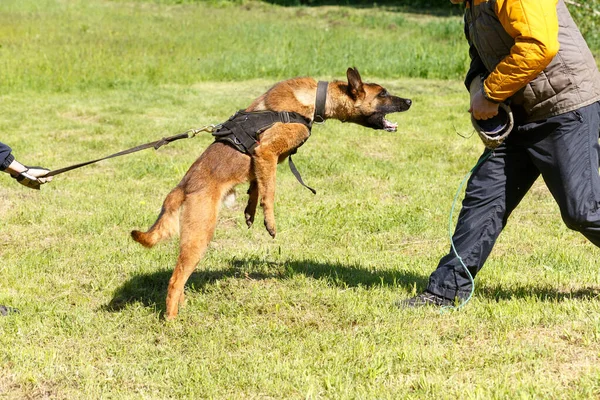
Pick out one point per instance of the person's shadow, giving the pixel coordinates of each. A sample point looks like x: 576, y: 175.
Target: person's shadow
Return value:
x: 151, y: 289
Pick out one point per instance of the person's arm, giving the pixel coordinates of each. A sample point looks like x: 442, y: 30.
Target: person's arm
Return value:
x: 534, y: 26
x: 477, y: 68
x: 479, y: 106
x: 32, y: 177
x: 6, y: 157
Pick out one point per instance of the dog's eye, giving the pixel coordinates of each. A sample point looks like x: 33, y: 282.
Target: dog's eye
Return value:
x: 383, y: 93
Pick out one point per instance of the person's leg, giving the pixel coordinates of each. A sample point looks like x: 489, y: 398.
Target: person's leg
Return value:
x: 492, y: 193
x: 568, y: 160
x: 565, y: 150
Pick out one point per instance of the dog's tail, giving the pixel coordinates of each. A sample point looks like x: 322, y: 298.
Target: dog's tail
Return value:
x: 166, y: 224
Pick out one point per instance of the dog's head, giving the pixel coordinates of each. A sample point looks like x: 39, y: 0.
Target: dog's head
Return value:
x: 371, y: 103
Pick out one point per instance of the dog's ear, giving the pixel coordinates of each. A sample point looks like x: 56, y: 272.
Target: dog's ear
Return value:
x: 355, y: 83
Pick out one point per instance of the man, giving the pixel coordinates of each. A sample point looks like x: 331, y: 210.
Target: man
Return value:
x: 26, y: 176
x: 528, y: 53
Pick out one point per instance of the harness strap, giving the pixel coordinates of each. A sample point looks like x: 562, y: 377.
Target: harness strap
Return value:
x: 320, y: 102
x: 297, y: 174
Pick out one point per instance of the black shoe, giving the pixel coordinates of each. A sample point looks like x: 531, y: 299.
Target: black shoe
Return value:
x: 4, y: 311
x: 425, y: 299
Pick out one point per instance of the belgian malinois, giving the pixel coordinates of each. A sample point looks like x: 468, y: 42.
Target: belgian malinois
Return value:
x: 221, y: 167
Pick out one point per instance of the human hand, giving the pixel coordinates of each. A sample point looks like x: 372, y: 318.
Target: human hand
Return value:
x: 482, y: 108
x: 33, y: 177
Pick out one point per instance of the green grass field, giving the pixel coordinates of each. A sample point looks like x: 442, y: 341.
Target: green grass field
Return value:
x: 309, y: 314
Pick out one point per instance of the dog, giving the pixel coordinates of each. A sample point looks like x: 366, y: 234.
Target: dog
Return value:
x: 221, y: 167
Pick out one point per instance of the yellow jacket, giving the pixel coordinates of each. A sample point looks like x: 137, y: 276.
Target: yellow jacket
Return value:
x: 514, y: 41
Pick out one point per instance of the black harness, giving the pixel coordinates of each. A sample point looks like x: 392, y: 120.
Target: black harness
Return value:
x: 242, y: 129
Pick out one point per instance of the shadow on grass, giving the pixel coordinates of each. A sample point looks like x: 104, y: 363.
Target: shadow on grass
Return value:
x: 150, y: 289
x: 542, y: 293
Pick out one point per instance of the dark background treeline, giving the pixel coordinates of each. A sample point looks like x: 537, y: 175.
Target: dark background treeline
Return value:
x: 425, y: 6
x: 585, y: 12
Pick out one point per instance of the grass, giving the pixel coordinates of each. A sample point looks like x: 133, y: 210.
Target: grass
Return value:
x: 55, y: 45
x: 587, y: 15
x: 307, y: 315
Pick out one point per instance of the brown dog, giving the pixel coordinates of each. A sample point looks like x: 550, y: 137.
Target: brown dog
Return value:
x: 221, y: 167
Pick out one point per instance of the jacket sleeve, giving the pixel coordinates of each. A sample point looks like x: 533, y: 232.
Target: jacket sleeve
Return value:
x: 6, y: 156
x: 534, y: 26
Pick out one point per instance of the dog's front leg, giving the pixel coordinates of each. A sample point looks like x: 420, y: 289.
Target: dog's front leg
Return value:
x: 250, y: 210
x: 266, y: 168
x: 274, y: 142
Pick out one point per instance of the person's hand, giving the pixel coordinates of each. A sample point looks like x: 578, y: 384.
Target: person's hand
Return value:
x: 482, y: 108
x: 32, y: 177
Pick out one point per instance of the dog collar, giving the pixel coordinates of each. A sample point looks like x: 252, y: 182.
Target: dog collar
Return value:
x: 320, y: 101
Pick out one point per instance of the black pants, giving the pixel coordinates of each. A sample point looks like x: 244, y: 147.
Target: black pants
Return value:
x: 564, y: 150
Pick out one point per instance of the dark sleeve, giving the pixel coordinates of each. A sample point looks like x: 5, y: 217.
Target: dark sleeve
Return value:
x: 477, y: 67
x: 6, y: 156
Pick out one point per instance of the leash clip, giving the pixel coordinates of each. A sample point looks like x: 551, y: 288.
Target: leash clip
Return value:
x: 208, y: 128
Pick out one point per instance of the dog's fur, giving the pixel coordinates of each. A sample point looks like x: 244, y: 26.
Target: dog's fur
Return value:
x: 221, y: 167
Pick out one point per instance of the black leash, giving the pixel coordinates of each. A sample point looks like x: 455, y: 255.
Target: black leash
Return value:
x: 319, y: 117
x: 156, y: 145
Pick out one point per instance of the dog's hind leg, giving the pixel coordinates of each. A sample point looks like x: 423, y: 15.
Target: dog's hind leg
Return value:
x: 167, y: 222
x: 197, y: 226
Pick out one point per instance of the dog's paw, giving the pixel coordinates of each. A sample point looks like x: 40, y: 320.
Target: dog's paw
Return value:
x: 249, y: 219
x: 271, y: 229
x: 169, y: 317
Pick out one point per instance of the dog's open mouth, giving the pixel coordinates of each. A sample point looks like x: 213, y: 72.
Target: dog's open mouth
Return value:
x: 389, y: 126
x: 378, y: 121
x: 398, y: 105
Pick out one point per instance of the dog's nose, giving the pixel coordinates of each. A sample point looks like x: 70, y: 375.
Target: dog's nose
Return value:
x: 408, y: 102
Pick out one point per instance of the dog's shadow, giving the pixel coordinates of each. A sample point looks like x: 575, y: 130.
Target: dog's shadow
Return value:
x: 150, y: 289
